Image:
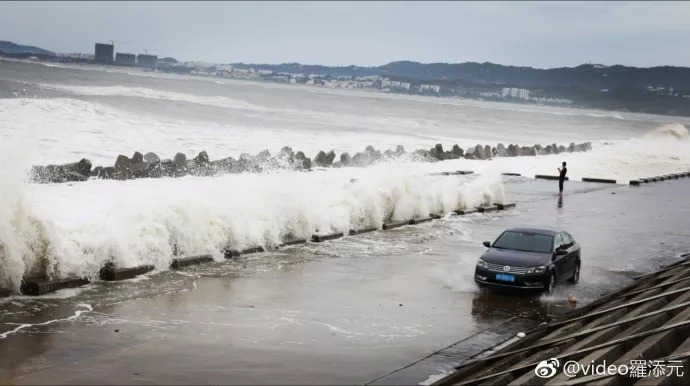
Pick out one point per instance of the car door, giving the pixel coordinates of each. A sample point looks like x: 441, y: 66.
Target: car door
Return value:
x: 571, y: 257
x: 559, y: 260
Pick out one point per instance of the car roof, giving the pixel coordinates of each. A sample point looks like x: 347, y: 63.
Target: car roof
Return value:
x: 540, y: 231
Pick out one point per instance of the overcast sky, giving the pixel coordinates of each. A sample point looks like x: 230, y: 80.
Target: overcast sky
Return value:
x: 538, y: 34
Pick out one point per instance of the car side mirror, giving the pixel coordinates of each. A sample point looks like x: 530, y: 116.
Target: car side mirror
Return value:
x: 487, y: 244
x: 561, y: 251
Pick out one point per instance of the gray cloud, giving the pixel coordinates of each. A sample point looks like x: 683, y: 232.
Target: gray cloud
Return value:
x: 541, y: 34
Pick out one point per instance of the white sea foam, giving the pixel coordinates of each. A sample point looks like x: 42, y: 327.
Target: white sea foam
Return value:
x: 137, y: 222
x: 83, y: 308
x: 142, y: 92
x: 64, y: 130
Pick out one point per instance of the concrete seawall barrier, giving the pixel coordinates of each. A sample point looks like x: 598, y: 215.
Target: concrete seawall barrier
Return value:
x: 420, y: 220
x: 487, y: 208
x: 41, y: 286
x: 248, y: 251
x: 322, y: 238
x: 546, y: 177
x: 646, y: 180
x: 181, y: 262
x: 290, y: 242
x: 111, y: 273
x: 353, y: 232
x: 600, y: 180
x: 394, y: 224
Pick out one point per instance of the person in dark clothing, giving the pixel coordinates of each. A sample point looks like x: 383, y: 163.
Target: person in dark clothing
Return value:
x: 561, y: 178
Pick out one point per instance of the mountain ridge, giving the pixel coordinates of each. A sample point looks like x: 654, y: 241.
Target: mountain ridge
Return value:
x: 15, y: 48
x: 588, y: 76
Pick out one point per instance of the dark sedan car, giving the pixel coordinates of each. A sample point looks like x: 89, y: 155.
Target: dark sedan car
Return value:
x: 529, y: 258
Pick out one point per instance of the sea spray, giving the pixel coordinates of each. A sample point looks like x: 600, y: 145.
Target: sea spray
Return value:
x: 669, y: 131
x: 23, y: 238
x: 144, y: 221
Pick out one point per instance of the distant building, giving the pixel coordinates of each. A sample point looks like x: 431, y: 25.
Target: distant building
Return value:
x: 144, y: 60
x: 518, y: 93
x: 122, y: 59
x: 104, y: 53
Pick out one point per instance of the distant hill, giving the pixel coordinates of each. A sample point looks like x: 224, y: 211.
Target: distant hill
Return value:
x: 586, y: 76
x: 14, y: 48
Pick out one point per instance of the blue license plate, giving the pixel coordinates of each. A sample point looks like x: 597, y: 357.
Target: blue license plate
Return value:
x: 504, y: 277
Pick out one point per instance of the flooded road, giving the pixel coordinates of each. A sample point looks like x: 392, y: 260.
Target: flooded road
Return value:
x: 342, y: 312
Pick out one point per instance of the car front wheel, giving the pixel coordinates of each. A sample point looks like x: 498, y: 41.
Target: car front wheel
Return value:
x: 576, y: 275
x: 550, y: 284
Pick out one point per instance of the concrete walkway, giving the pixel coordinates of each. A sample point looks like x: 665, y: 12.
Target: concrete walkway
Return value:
x: 643, y: 330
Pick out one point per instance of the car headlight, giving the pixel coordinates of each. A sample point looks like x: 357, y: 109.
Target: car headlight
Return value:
x: 482, y: 263
x: 538, y: 269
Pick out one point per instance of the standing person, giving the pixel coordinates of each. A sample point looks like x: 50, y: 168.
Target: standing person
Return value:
x: 561, y: 178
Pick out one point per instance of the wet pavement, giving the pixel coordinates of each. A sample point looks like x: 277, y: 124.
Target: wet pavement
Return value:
x: 348, y: 311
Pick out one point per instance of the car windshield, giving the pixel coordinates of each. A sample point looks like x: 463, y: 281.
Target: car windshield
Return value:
x: 521, y: 241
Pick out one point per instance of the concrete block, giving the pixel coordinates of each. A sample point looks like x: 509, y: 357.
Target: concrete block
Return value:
x: 635, y: 182
x: 293, y: 242
x: 4, y: 292
x: 436, y: 216
x: 252, y: 250
x: 512, y: 174
x: 360, y: 231
x: 419, y: 220
x: 653, y: 179
x: 465, y: 211
x: 321, y: 238
x: 545, y: 177
x: 505, y: 206
x: 394, y: 224
x: 463, y: 172
x: 187, y: 261
x: 35, y: 287
x: 489, y: 208
x: 231, y: 253
x: 600, y: 180
x: 112, y: 273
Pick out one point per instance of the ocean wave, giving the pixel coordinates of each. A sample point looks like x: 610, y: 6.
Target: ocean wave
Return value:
x: 81, y: 227
x: 142, y: 92
x: 672, y: 131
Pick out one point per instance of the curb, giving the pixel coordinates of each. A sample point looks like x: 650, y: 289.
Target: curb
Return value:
x: 39, y: 286
x: 545, y: 177
x: 322, y: 238
x: 353, y: 232
x: 187, y: 261
x: 111, y: 273
x: 600, y: 180
x: 395, y: 224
